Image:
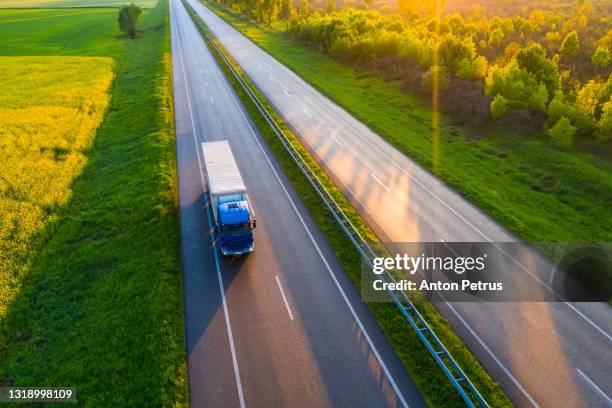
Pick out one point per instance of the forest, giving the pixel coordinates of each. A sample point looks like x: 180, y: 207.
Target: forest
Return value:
x: 543, y: 69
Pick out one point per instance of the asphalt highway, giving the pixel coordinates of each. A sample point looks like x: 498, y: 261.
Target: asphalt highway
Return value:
x: 554, y: 354
x: 283, y: 326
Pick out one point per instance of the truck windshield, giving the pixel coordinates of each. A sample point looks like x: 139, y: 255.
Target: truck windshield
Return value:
x: 235, y: 227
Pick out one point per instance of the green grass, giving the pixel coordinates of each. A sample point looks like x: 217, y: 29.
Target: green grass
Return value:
x: 539, y: 192
x: 100, y: 305
x: 435, y: 387
x: 72, y: 3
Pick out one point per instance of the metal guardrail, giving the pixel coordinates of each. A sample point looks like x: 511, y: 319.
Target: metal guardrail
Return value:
x: 451, y: 369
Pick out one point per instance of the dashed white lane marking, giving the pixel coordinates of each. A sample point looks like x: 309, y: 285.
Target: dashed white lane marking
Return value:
x: 280, y: 287
x: 307, y: 113
x: 380, y: 182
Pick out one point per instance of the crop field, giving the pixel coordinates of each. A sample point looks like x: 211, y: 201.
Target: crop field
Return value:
x: 58, y: 32
x: 71, y: 3
x: 90, y: 279
x: 50, y: 108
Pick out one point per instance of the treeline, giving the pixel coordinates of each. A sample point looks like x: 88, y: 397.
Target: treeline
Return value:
x: 547, y: 70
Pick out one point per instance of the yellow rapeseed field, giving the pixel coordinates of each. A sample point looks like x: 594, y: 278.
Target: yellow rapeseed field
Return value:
x: 50, y: 108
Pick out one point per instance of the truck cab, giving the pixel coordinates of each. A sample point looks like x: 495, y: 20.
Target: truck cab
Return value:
x: 235, y: 226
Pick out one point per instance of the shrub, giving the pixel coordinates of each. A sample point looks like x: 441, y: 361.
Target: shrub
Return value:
x: 562, y: 133
x: 601, y: 57
x: 604, y: 127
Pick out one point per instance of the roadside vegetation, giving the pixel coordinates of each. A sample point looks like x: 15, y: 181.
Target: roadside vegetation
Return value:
x: 435, y: 387
x: 539, y: 67
x: 540, y: 191
x: 91, y: 292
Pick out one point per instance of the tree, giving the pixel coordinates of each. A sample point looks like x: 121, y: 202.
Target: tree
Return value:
x: 533, y: 60
x: 330, y: 7
x: 287, y: 11
x: 499, y: 106
x: 304, y: 8
x: 128, y: 18
x: 521, y: 89
x: 570, y: 45
x: 601, y: 57
x: 496, y: 37
x: 604, y: 127
x: 562, y: 133
x: 454, y: 49
x: 587, y: 98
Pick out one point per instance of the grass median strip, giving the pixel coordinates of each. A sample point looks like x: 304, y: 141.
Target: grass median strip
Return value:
x: 435, y: 387
x: 100, y: 305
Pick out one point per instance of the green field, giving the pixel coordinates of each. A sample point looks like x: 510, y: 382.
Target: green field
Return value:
x: 540, y: 192
x: 71, y: 3
x: 50, y: 108
x: 96, y: 302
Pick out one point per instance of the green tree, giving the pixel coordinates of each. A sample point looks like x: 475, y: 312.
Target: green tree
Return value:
x: 269, y: 11
x: 499, y: 106
x: 604, y: 127
x: 570, y: 45
x: 496, y: 37
x: 454, y: 49
x: 533, y: 60
x: 559, y: 107
x: 520, y: 88
x: 128, y: 18
x: 562, y: 133
x: 601, y: 57
x: 587, y: 98
x: 330, y: 7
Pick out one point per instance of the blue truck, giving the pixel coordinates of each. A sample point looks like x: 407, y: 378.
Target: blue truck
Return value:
x: 233, y: 217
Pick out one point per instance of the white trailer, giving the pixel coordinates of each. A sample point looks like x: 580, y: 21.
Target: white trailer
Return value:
x: 229, y: 199
x: 222, y: 172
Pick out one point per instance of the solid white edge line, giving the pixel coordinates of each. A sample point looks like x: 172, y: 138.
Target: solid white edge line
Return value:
x: 328, y: 267
x: 284, y: 297
x: 215, y: 254
x: 573, y: 308
x: 599, y: 390
x: 488, y: 350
